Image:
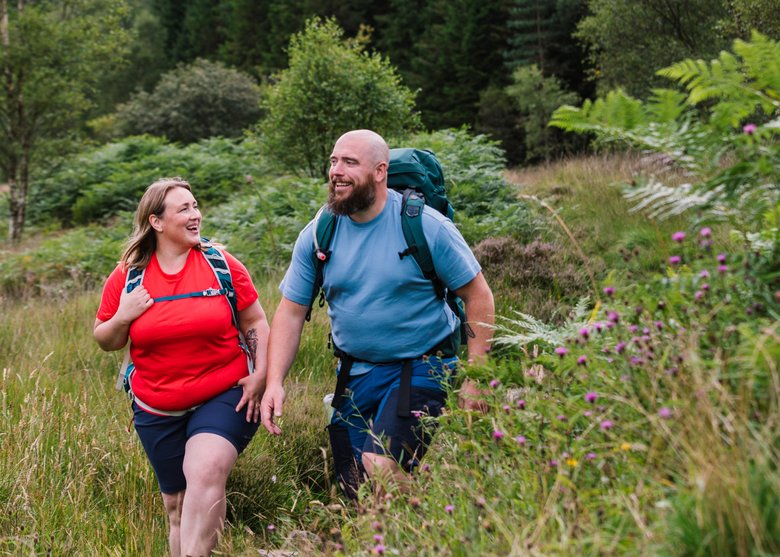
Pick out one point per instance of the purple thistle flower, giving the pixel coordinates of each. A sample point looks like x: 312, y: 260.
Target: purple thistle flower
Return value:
x: 582, y: 360
x: 678, y: 236
x: 498, y: 435
x: 659, y: 325
x: 584, y: 332
x: 590, y: 456
x: 665, y: 413
x: 587, y: 413
x: 270, y: 527
x: 704, y: 274
x: 520, y: 440
x: 561, y: 351
x: 599, y: 326
x: 699, y: 294
x: 376, y: 525
x: 675, y: 260
x: 721, y: 258
x: 561, y: 418
x: 620, y: 347
x: 636, y: 361
x: 378, y: 538
x: 705, y: 286
x: 749, y: 129
x: 613, y: 316
x: 591, y: 396
x: 506, y: 408
x: 521, y: 404
x: 494, y: 383
x: 609, y: 290
x: 449, y: 508
x: 606, y: 425
x: 379, y: 549
x: 705, y: 232
x: 553, y: 463
x: 632, y: 328
x: 723, y: 269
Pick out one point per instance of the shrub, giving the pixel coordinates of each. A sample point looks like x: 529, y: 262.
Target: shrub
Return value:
x: 330, y: 87
x: 201, y: 100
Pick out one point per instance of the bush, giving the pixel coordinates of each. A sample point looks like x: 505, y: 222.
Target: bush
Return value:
x: 330, y: 87
x: 204, y: 99
x: 112, y: 178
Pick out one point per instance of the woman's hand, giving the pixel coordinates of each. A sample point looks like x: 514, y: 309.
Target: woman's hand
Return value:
x: 133, y: 304
x: 254, y: 386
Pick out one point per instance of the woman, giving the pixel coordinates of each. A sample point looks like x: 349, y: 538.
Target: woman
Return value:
x: 196, y: 406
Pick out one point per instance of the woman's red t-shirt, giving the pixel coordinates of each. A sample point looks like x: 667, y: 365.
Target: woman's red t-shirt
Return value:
x: 185, y: 351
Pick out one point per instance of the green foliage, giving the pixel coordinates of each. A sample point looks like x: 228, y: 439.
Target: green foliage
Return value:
x: 536, y: 97
x: 330, y: 87
x: 198, y: 101
x: 628, y: 40
x: 731, y: 170
x: 102, y: 182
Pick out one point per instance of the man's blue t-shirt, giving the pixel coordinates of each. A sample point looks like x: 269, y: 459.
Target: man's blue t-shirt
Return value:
x: 381, y: 307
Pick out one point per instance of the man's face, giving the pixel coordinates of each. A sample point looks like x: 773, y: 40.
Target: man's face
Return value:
x: 352, y: 186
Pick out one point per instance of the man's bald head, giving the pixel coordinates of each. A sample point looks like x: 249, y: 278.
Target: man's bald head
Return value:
x: 372, y: 145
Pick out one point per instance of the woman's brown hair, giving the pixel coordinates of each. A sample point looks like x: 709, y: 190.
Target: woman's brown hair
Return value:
x: 143, y: 242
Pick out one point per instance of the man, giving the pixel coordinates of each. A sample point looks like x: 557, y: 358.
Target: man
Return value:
x: 383, y: 311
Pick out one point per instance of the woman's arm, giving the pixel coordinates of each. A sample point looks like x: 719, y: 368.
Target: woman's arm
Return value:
x: 112, y: 334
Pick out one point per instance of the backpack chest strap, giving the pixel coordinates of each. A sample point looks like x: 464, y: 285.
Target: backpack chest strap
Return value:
x: 209, y: 292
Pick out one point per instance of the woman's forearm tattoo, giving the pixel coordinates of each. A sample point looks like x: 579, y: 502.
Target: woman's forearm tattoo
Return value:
x: 251, y: 344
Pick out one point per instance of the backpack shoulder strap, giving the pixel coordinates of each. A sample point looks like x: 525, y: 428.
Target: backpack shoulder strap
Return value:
x: 134, y: 278
x: 417, y: 244
x: 219, y: 265
x: 322, y: 229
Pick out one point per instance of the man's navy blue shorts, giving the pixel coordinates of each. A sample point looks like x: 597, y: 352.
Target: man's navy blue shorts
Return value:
x: 369, y: 409
x: 164, y: 437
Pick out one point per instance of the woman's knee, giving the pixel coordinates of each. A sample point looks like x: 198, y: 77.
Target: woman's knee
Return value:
x: 377, y: 465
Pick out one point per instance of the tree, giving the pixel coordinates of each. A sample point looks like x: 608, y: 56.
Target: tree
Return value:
x: 627, y: 40
x: 203, y: 99
x: 330, y: 87
x: 51, y: 54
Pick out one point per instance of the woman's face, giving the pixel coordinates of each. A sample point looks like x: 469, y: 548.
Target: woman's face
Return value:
x: 180, y: 221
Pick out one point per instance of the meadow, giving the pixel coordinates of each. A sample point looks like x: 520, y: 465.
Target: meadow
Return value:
x: 633, y: 406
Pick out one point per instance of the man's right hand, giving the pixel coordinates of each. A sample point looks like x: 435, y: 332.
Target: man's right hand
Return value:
x: 271, y: 408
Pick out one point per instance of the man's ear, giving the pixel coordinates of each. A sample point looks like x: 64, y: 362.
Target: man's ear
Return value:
x: 380, y: 172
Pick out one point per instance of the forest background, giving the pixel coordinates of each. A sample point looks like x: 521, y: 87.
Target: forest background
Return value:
x: 632, y: 244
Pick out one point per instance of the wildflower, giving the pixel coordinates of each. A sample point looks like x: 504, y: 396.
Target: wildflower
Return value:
x: 705, y: 286
x: 270, y: 527
x: 506, y: 408
x: 590, y: 456
x: 675, y: 260
x: 678, y: 236
x: 664, y: 413
x: 378, y: 538
x: 636, y: 361
x: 609, y: 290
x: 721, y: 258
x: 520, y: 440
x: 414, y: 501
x: 494, y: 383
x: 582, y: 360
x: 588, y: 413
x: 705, y: 232
x: 723, y: 269
x: 376, y: 525
x: 599, y: 326
x: 498, y: 435
x: 425, y: 467
x: 584, y: 332
x: 561, y: 418
x: 659, y: 325
x: 449, y: 508
x: 521, y: 404
x: 379, y: 549
x: 553, y: 463
x: 749, y: 129
x: 625, y: 447
x: 633, y: 328
x: 591, y: 397
x: 704, y: 274
x: 619, y: 347
x: 572, y: 462
x: 561, y: 351
x: 606, y: 425
x: 698, y: 295
x: 613, y: 316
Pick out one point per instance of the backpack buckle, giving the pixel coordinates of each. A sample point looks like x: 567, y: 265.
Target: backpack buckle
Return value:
x: 211, y: 292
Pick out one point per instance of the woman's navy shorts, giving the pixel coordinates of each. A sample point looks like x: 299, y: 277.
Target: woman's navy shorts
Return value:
x: 164, y: 437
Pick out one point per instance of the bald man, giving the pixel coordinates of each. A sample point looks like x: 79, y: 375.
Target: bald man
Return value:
x: 383, y: 311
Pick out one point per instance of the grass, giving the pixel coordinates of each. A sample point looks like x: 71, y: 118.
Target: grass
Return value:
x: 544, y: 472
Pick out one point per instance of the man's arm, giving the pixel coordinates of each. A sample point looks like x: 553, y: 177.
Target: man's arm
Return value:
x: 480, y: 311
x: 283, y: 342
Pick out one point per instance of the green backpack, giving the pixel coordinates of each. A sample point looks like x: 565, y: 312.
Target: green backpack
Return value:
x: 418, y: 176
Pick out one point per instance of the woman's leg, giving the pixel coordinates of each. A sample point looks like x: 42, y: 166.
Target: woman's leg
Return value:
x: 173, y: 503
x: 208, y: 460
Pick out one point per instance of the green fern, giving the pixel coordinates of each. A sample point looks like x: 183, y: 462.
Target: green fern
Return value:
x: 525, y: 329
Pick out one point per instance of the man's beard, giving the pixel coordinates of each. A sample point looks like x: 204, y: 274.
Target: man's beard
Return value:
x: 359, y: 199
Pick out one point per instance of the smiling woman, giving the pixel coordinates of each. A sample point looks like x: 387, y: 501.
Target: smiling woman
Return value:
x: 194, y: 415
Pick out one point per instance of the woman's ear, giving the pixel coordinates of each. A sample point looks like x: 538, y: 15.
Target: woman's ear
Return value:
x: 154, y: 220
